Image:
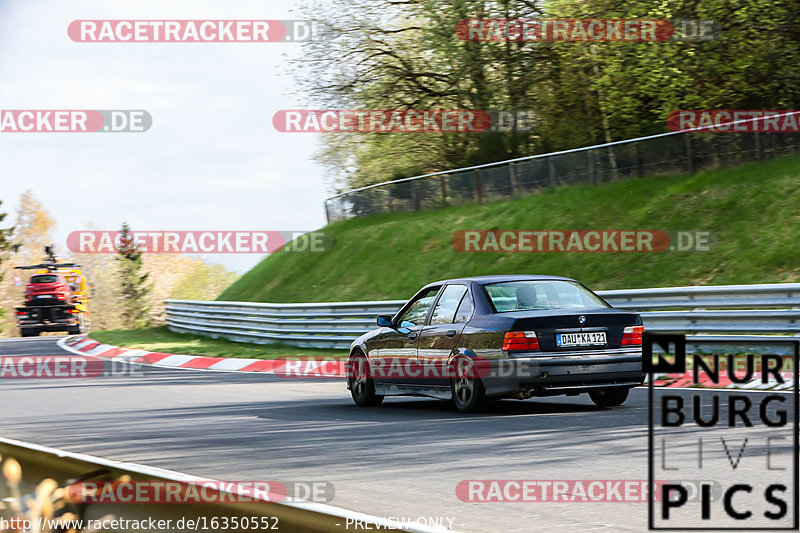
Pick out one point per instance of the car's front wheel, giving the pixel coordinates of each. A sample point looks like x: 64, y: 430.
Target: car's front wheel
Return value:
x: 362, y: 386
x: 609, y: 397
x: 467, y: 389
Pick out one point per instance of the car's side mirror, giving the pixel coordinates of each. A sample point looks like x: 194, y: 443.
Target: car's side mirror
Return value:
x: 385, y: 321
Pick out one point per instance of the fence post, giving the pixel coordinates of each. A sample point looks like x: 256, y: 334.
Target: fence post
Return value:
x: 389, y: 199
x: 443, y: 182
x: 414, y: 198
x: 327, y: 213
x: 551, y: 168
x: 757, y: 141
x: 512, y: 179
x: 592, y: 173
x: 689, y: 156
x: 639, y: 163
x: 478, y: 187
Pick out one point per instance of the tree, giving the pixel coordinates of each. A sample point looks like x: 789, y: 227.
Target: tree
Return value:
x: 6, y: 247
x: 203, y: 282
x: 390, y: 54
x: 133, y: 287
x: 407, y: 55
x: 101, y: 271
x: 32, y: 231
x: 34, y: 228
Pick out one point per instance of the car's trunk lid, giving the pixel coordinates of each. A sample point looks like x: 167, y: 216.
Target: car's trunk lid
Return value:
x: 548, y: 323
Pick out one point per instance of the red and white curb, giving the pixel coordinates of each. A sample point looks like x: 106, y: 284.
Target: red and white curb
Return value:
x: 323, y: 368
x: 82, y: 345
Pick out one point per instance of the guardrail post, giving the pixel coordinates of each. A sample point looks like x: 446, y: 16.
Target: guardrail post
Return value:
x: 443, y: 184
x: 757, y: 142
x: 478, y: 187
x: 689, y: 155
x: 414, y: 197
x: 370, y: 203
x: 551, y: 168
x: 592, y: 172
x: 389, y: 199
x: 639, y: 163
x: 327, y: 213
x: 512, y: 178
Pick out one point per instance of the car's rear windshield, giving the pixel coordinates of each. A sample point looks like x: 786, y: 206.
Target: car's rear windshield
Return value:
x: 49, y: 278
x: 545, y: 294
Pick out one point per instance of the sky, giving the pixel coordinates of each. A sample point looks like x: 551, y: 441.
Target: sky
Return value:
x: 211, y: 160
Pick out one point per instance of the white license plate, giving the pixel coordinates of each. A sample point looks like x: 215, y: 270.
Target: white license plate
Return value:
x: 594, y: 338
x: 43, y: 296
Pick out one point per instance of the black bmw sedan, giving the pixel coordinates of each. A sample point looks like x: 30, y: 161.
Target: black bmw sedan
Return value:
x: 471, y: 340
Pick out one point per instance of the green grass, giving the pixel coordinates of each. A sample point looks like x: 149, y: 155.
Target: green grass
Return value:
x: 753, y: 210
x: 163, y: 340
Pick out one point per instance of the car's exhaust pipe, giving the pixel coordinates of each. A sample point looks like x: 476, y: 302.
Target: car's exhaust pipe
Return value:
x: 525, y: 394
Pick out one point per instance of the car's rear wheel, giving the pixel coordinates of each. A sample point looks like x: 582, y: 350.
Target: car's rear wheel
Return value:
x: 362, y: 386
x: 467, y: 389
x: 609, y: 397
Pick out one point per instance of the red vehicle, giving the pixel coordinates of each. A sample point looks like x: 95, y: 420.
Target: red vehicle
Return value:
x: 48, y: 289
x: 56, y: 298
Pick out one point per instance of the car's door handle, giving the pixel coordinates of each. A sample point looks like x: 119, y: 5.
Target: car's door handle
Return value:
x: 412, y: 336
x: 451, y: 333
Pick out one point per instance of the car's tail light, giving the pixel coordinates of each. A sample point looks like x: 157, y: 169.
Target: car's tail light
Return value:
x: 21, y: 313
x: 632, y: 336
x: 520, y: 340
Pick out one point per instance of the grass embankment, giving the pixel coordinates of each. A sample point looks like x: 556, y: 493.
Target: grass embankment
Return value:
x: 753, y: 210
x: 163, y: 340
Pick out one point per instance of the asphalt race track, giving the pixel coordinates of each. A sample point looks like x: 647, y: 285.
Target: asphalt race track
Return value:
x: 403, y: 459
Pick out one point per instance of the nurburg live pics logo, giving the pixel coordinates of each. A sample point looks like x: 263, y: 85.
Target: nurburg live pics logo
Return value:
x: 739, y: 438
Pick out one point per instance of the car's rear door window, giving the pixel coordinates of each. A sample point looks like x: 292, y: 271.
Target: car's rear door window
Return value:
x: 464, y: 312
x: 446, y: 307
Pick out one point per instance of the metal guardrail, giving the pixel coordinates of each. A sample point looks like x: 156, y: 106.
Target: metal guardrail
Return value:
x: 323, y: 325
x: 33, y: 464
x: 674, y: 152
x: 767, y: 309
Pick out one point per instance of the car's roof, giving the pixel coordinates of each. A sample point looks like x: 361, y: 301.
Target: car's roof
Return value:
x: 482, y: 280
